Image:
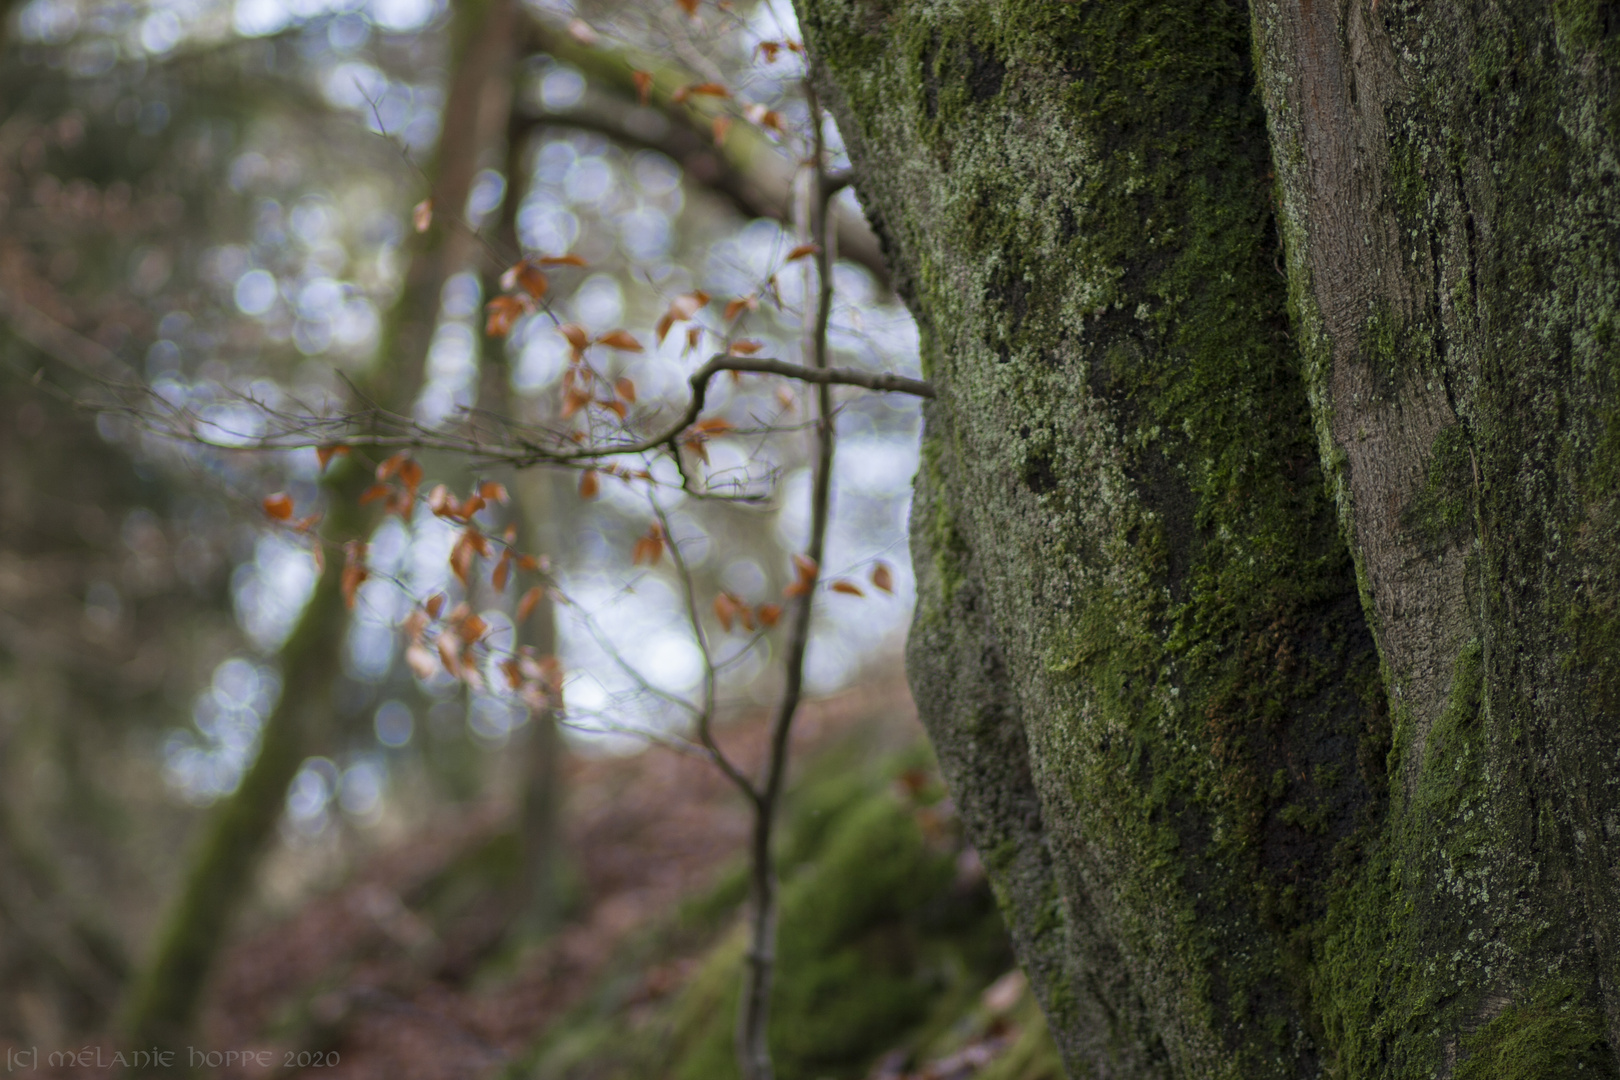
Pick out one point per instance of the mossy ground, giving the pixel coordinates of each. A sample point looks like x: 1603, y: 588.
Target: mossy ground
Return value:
x: 885, y: 947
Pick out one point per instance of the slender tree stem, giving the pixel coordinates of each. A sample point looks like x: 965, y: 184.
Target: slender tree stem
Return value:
x: 753, y: 1020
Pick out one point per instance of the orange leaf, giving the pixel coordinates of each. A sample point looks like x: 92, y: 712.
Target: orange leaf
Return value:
x: 847, y: 587
x: 650, y: 547
x: 279, y: 506
x: 375, y: 491
x: 304, y: 524
x: 806, y: 568
x: 472, y: 628
x: 504, y: 312
x: 688, y: 6
x: 573, y: 401
x: 683, y: 307
x: 525, y: 274
x: 461, y: 559
x: 708, y: 89
x: 493, y: 492
x: 503, y: 570
x: 325, y: 454
x: 643, y: 81
x: 390, y: 466
x: 410, y: 472
x: 741, y: 304
x: 434, y: 605
x: 422, y: 215
x: 802, y: 250
x: 770, y: 49
x: 626, y: 390
x: 694, y: 335
x: 526, y: 605
x: 721, y: 125
x: 769, y: 614
x: 513, y: 673
x: 746, y: 347
x: 725, y: 609
x: 618, y: 407
x: 714, y: 425
x: 883, y: 577
x: 561, y: 260
x: 530, y: 563
x: 621, y: 340
x: 354, y: 570
x: 576, y: 335
x: 449, y: 657
x: 414, y: 624
x: 588, y: 485
x: 797, y: 588
x: 765, y: 118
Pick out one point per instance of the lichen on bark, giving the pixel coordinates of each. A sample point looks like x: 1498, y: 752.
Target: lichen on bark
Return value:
x: 1131, y: 571
x: 1446, y: 184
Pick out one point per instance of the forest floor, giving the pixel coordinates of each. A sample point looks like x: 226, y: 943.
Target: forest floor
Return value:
x: 407, y: 970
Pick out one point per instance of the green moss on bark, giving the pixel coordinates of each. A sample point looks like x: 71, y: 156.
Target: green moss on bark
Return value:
x: 1076, y: 197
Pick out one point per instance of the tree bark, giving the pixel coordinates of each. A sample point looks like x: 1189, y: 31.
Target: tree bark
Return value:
x: 1285, y: 759
x: 1446, y: 180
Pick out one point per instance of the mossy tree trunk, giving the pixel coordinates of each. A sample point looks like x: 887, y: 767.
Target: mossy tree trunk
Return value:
x: 1266, y: 622
x: 1447, y: 189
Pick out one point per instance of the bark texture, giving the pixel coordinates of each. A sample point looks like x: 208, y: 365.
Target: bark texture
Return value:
x: 1446, y: 179
x: 1268, y: 623
x: 1139, y: 647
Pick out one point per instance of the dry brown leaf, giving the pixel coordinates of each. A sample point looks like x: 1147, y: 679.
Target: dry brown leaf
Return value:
x: 448, y: 656
x: 278, y: 506
x: 725, y: 610
x: 621, y: 340
x: 354, y: 570
x: 503, y: 314
x: 526, y: 605
x: 883, y: 577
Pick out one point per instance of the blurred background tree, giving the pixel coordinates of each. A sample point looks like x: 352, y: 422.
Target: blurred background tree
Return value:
x: 215, y: 201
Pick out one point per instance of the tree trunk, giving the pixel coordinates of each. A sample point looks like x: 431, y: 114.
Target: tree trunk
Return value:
x: 1143, y: 647
x: 165, y: 997
x: 1446, y: 181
